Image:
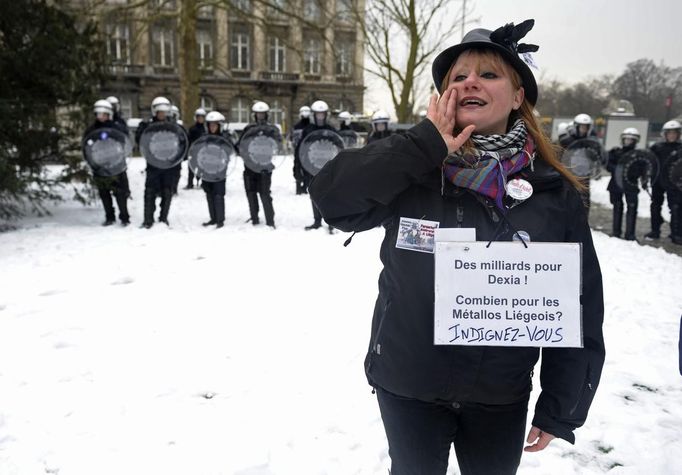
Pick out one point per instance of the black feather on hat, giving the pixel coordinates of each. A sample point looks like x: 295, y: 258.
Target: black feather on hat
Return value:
x: 505, y: 41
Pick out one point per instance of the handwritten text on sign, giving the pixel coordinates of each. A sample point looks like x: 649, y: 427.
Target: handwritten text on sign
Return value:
x: 507, y: 294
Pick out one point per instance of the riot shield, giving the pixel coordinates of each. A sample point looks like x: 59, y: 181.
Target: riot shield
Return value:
x: 584, y: 158
x: 634, y: 167
x: 673, y: 175
x: 258, y: 146
x: 319, y: 147
x: 665, y: 164
x: 164, y: 144
x: 209, y: 157
x: 349, y: 137
x: 106, y: 150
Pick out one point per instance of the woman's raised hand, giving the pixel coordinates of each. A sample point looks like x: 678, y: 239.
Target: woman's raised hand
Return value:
x: 442, y: 113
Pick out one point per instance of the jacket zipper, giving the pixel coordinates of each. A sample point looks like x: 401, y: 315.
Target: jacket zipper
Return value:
x: 460, y: 215
x: 376, y: 347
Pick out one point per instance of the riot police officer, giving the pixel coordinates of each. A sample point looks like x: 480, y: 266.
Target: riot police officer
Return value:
x: 583, y: 128
x: 299, y: 127
x: 320, y: 113
x: 110, y: 185
x: 670, y: 148
x: 195, y: 132
x: 117, y: 117
x: 380, y: 130
x: 629, y: 140
x: 215, y: 190
x: 158, y: 182
x: 259, y: 183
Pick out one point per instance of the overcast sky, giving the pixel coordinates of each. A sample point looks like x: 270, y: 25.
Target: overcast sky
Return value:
x: 580, y: 38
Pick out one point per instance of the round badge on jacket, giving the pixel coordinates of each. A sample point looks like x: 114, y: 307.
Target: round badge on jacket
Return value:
x: 519, y: 189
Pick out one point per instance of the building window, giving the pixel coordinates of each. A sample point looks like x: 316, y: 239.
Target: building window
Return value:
x: 239, y: 54
x: 312, y: 56
x: 118, y: 43
x: 207, y: 103
x: 205, y: 12
x: 344, y: 58
x: 205, y: 45
x: 163, y: 47
x: 276, y: 112
x: 311, y: 10
x: 239, y: 112
x: 277, y: 9
x: 241, y: 5
x: 277, y: 55
x: 344, y: 10
x: 126, y: 105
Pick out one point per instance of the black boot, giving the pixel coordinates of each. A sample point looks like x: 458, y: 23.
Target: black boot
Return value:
x: 149, y: 207
x: 315, y: 225
x: 166, y: 197
x: 676, y: 223
x: 219, y: 206
x: 211, y: 209
x: 630, y: 223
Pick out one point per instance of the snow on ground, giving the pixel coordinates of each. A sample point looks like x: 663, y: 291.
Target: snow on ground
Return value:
x: 239, y: 351
x: 599, y: 194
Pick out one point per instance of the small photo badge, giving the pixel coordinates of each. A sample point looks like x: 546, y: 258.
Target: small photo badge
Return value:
x: 416, y: 235
x: 519, y: 189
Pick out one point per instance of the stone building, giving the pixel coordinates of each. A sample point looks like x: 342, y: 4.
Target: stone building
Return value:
x: 241, y: 59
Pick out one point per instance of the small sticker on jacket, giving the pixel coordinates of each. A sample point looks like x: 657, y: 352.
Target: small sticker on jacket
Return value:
x: 416, y: 234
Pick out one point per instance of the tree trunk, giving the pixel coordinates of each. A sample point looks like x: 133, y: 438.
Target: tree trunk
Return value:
x: 188, y: 60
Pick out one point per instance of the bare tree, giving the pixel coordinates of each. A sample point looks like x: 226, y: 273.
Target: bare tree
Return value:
x: 401, y: 38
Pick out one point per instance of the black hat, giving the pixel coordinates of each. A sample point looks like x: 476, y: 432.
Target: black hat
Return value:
x: 504, y: 40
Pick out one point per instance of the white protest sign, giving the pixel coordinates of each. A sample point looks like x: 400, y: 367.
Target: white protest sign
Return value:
x: 507, y: 294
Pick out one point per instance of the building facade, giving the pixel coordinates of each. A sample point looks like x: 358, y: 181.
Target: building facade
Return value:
x: 245, y: 53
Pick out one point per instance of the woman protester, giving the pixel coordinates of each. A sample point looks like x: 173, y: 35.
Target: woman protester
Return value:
x: 452, y: 168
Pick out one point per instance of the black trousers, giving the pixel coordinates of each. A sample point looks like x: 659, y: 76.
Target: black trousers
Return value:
x: 215, y: 198
x: 119, y: 188
x: 657, y: 198
x: 632, y: 201
x: 488, y: 439
x: 159, y: 182
x: 259, y: 184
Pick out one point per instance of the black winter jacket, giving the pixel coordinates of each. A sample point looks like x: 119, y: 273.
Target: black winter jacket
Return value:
x: 400, y: 176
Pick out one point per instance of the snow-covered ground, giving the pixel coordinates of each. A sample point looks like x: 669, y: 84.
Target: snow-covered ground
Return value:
x: 599, y: 194
x: 239, y: 351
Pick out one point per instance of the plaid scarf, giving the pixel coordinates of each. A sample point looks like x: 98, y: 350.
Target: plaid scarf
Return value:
x: 494, y: 158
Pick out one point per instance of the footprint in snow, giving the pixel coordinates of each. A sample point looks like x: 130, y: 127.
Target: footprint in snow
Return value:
x: 123, y: 281
x: 48, y: 293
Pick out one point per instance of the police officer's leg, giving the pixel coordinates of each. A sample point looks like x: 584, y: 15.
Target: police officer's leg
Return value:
x: 631, y: 200
x: 122, y: 193
x: 616, y: 198
x: 657, y: 197
x: 219, y: 202
x: 251, y: 189
x: 151, y: 189
x: 104, y: 185
x: 264, y: 184
x: 168, y: 182
x: 190, y: 177
x: 489, y: 439
x: 419, y: 434
x: 208, y: 190
x: 177, y: 171
x: 298, y: 175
